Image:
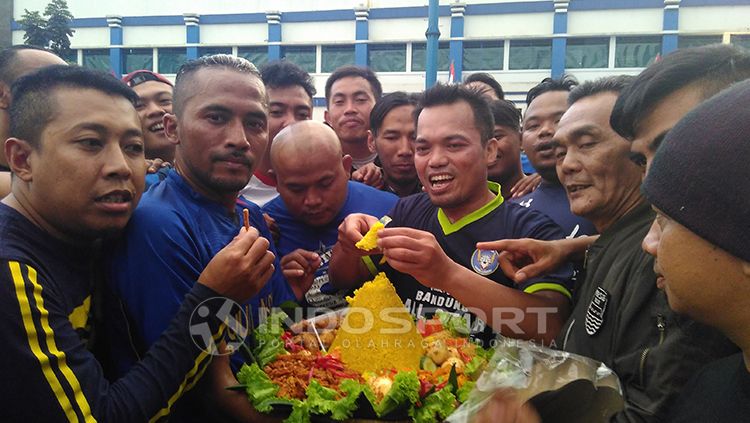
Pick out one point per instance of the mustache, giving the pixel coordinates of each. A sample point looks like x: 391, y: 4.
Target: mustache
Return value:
x: 236, y: 156
x: 545, y: 145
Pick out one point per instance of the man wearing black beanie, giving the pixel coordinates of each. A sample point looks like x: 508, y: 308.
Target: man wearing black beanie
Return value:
x: 702, y: 243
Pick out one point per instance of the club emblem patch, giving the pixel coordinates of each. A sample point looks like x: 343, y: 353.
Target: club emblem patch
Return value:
x: 484, y: 262
x: 595, y: 313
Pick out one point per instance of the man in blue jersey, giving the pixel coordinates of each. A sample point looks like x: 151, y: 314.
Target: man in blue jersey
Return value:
x: 430, y: 243
x: 61, y: 117
x: 315, y: 197
x: 219, y: 127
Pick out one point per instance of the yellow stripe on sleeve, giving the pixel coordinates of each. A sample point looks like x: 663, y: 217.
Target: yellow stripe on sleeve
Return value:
x: 32, y: 335
x: 62, y: 364
x: 548, y: 286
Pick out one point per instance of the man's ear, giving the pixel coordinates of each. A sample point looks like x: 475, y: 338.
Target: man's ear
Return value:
x: 490, y: 150
x: 327, y: 117
x: 5, y: 96
x: 371, y: 142
x: 346, y: 161
x: 273, y: 176
x: 170, y: 128
x: 746, y: 268
x: 18, y: 153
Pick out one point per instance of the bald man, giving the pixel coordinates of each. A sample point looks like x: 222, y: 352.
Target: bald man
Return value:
x: 16, y: 62
x: 315, y: 195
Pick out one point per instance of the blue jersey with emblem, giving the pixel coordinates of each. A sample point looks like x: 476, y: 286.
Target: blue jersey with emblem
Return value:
x: 296, y: 234
x: 552, y: 200
x: 170, y: 239
x: 494, y: 221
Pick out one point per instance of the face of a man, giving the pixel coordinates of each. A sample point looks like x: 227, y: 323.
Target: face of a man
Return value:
x: 508, y: 153
x: 287, y: 105
x: 686, y: 265
x: 483, y: 89
x: 393, y: 143
x: 593, y: 161
x: 313, y: 186
x: 450, y: 159
x: 539, y: 125
x: 349, y: 108
x: 222, y: 131
x: 88, y: 175
x: 155, y: 100
x: 664, y: 115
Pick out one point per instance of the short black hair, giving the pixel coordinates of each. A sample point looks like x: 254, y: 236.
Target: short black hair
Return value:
x: 506, y: 113
x: 8, y: 72
x: 712, y: 68
x: 608, y: 84
x: 445, y: 94
x: 486, y: 78
x: 34, y: 106
x: 182, y: 81
x: 284, y: 74
x: 565, y: 83
x: 386, y: 104
x: 355, y: 71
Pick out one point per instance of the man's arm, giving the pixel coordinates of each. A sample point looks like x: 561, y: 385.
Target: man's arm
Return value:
x: 509, y: 311
x: 46, y: 356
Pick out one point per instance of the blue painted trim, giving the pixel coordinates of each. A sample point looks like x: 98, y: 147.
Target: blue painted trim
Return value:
x: 191, y: 53
x: 192, y: 34
x: 152, y: 20
x: 614, y: 4
x: 558, y: 56
x: 515, y: 7
x: 668, y: 43
x: 248, y: 18
x: 318, y: 16
x: 362, y: 33
x: 406, y: 12
x: 671, y: 19
x: 560, y: 23
x: 457, y: 47
x: 320, y: 102
x: 115, y: 36
x: 115, y: 61
x: 693, y: 3
x: 274, y: 36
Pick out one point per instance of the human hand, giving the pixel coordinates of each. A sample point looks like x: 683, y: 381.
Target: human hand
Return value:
x: 239, y: 270
x: 526, y: 258
x: 272, y: 226
x: 526, y: 185
x: 505, y: 407
x: 153, y: 166
x: 299, y: 269
x: 416, y: 253
x: 351, y: 230
x: 369, y: 174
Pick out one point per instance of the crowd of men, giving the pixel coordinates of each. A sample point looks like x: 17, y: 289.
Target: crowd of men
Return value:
x: 629, y: 244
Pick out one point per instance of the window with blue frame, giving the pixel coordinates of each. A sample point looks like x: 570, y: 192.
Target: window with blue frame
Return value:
x: 483, y: 55
x: 530, y: 54
x: 170, y: 59
x: 387, y: 57
x: 302, y: 56
x: 336, y: 56
x: 134, y: 59
x: 210, y: 51
x: 687, y: 41
x: 636, y: 52
x: 586, y: 53
x: 419, y: 56
x: 96, y: 59
x: 70, y: 56
x: 258, y: 55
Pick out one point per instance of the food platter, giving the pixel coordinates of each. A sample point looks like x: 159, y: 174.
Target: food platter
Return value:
x: 329, y: 369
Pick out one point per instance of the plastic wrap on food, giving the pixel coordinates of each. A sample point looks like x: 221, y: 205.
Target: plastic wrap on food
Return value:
x: 562, y: 387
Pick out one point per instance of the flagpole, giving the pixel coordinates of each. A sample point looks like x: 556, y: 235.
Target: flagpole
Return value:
x: 433, y: 33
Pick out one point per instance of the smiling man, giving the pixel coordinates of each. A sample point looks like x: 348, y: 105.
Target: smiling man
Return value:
x: 620, y: 318
x: 429, y: 244
x: 154, y: 101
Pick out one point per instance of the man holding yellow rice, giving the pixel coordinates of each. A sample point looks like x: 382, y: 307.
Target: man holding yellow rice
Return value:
x: 429, y: 246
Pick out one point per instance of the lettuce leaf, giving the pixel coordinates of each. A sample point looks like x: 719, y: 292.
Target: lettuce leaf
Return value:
x: 267, y: 339
x: 404, y: 392
x: 435, y: 407
x: 322, y: 400
x: 457, y: 325
x: 258, y: 386
x: 300, y: 413
x: 463, y: 392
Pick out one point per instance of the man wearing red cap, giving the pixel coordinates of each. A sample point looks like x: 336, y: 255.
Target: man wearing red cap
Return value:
x: 155, y: 100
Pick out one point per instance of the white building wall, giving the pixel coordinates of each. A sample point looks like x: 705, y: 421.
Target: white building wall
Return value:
x: 510, y: 25
x: 90, y: 38
x: 712, y: 19
x: 233, y: 34
x: 405, y: 29
x: 157, y: 36
x: 623, y: 21
x: 316, y: 32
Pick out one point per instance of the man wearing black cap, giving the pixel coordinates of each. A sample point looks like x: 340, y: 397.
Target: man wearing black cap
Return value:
x: 154, y: 101
x: 702, y: 243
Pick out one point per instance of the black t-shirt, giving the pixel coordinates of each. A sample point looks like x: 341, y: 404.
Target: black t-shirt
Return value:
x: 494, y: 221
x: 718, y: 393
